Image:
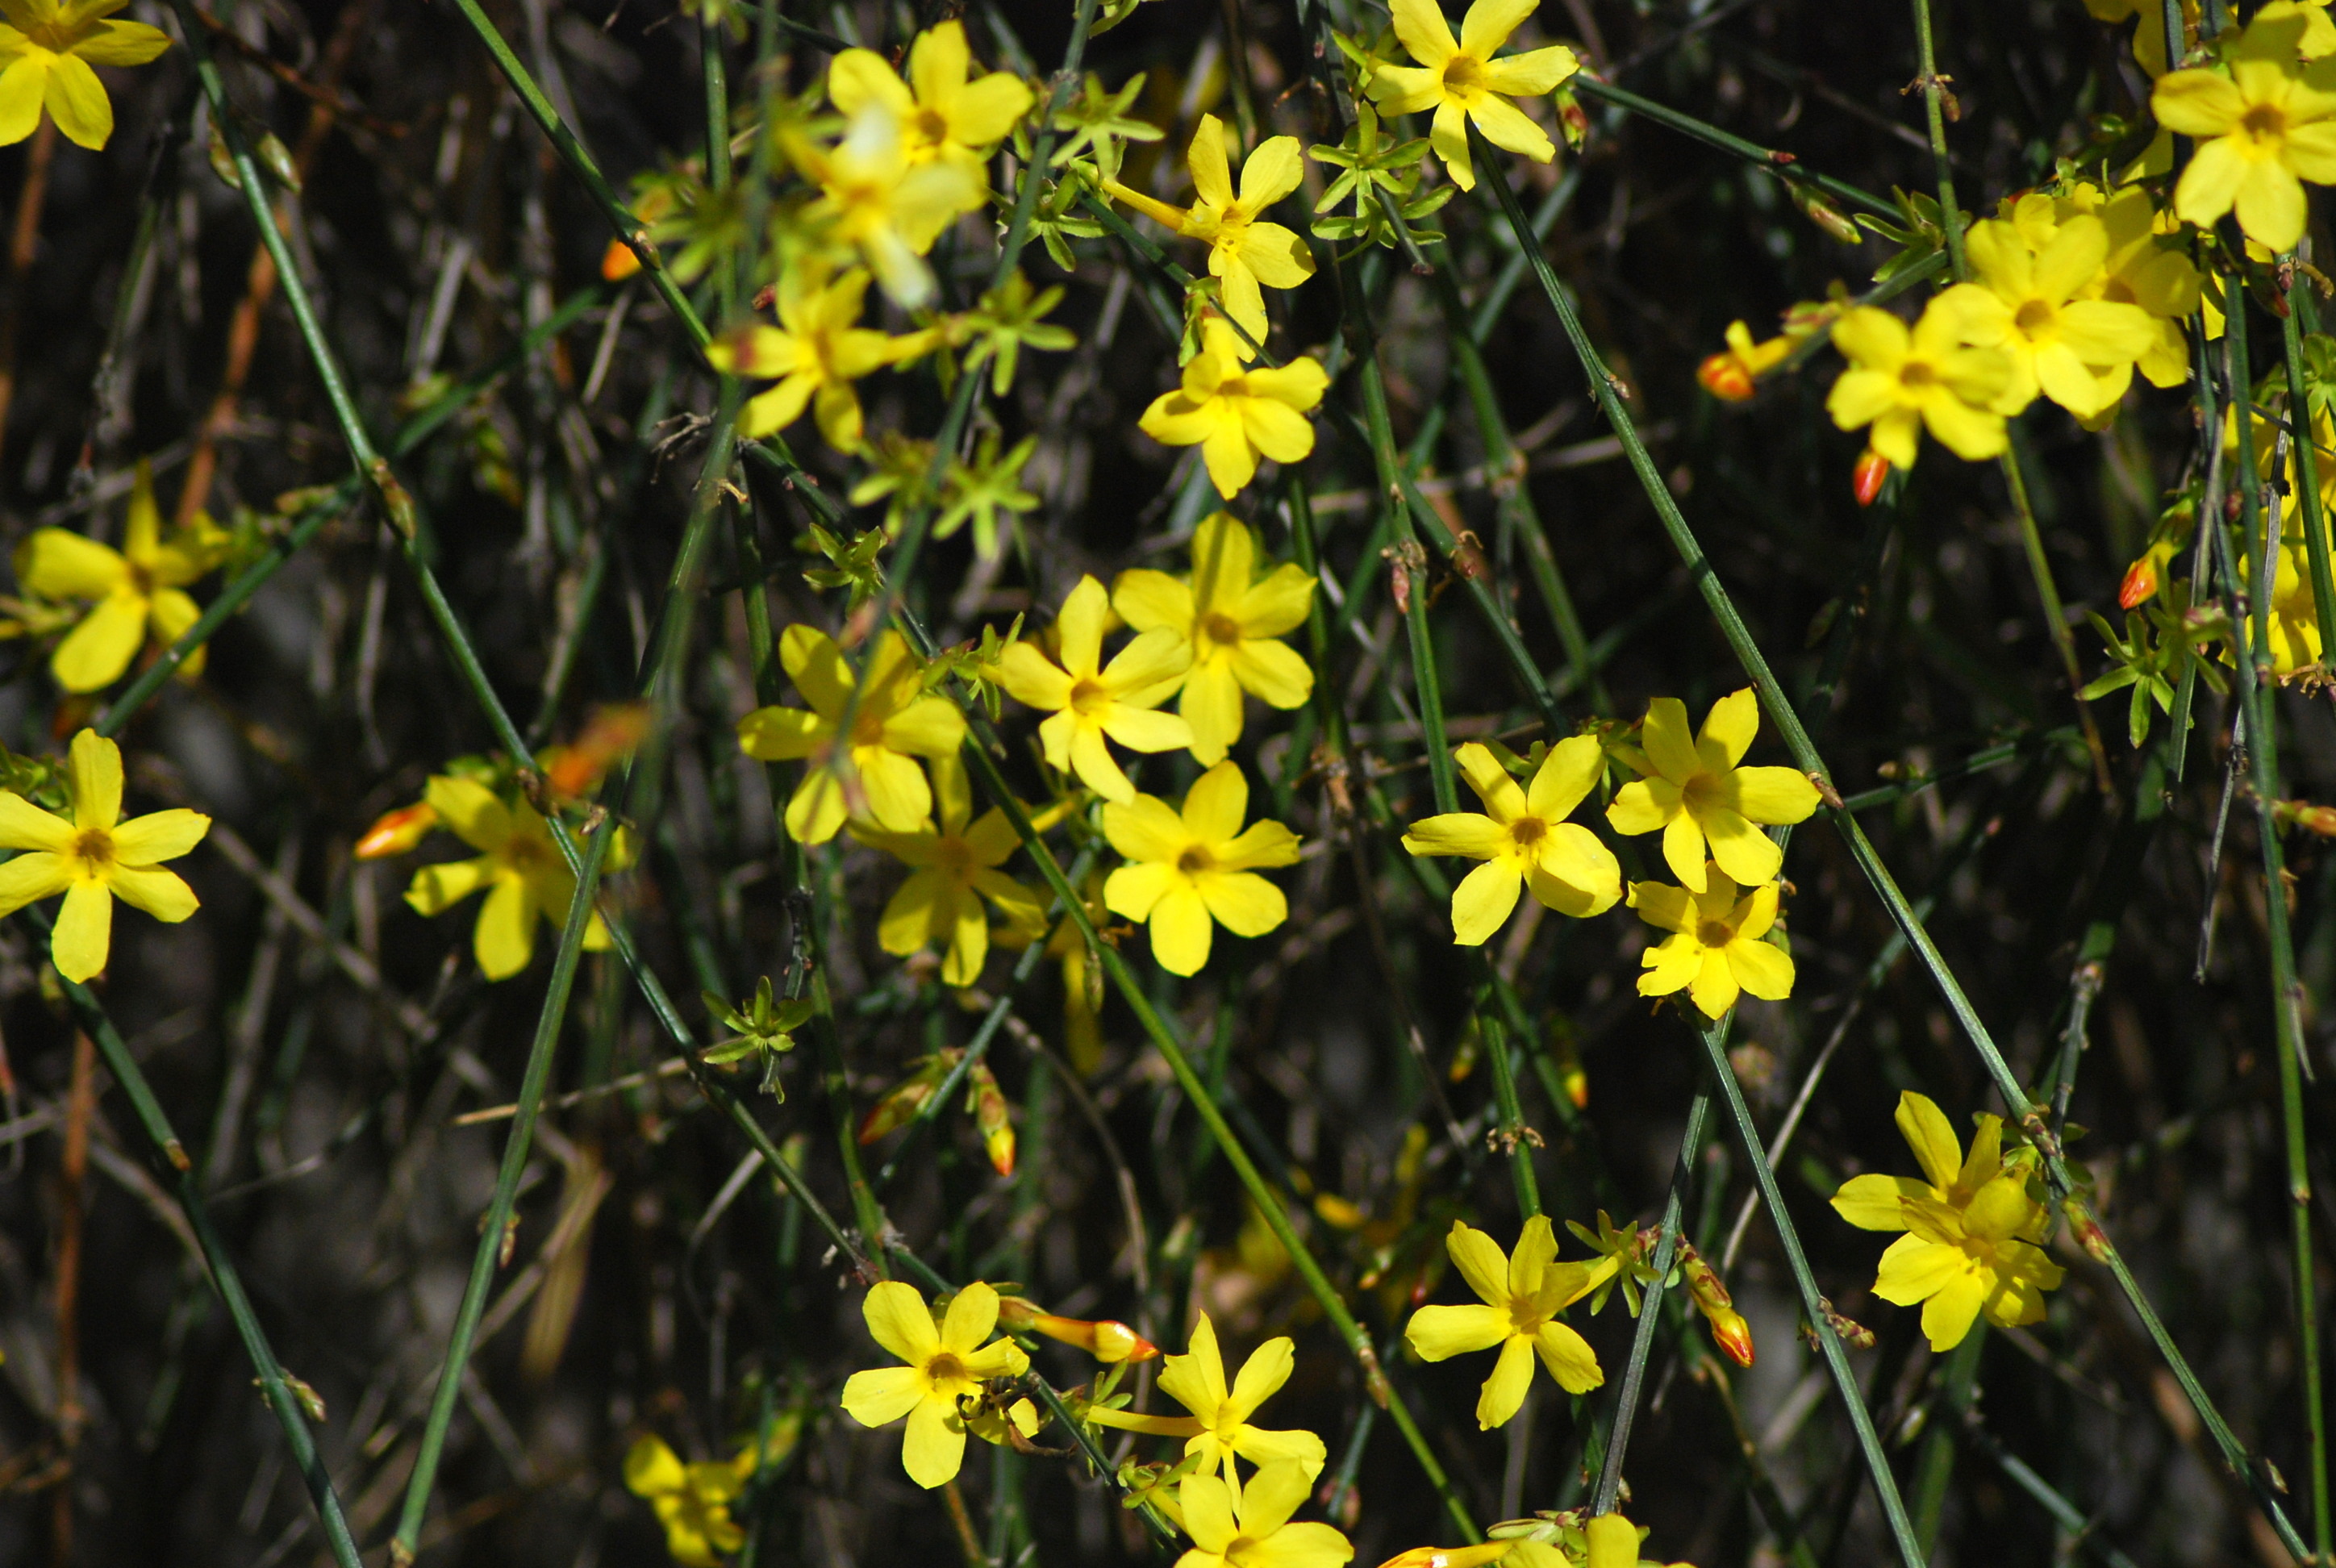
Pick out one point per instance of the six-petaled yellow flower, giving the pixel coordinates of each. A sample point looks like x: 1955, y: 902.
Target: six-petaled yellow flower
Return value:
x: 877, y: 198
x: 1245, y: 249
x: 692, y: 1501
x: 1462, y: 81
x: 1524, y: 839
x: 1522, y: 1292
x: 94, y: 857
x: 944, y: 113
x: 956, y: 869
x: 1250, y: 1526
x: 2261, y: 130
x: 136, y: 594
x: 1716, y: 947
x: 521, y: 869
x: 817, y: 351
x: 895, y: 723
x: 1900, y: 382
x: 945, y: 1365
x: 1192, y: 870
x: 1219, y: 1428
x: 1091, y: 699
x: 2077, y: 352
x: 1233, y: 618
x: 1975, y: 1236
x: 48, y: 49
x: 1695, y: 792
x: 1236, y: 414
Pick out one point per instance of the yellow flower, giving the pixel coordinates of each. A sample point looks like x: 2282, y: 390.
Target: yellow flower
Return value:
x: 2294, y: 632
x: 1190, y: 872
x: 944, y: 1365
x: 1236, y: 416
x: 1899, y: 382
x: 956, y: 868
x: 875, y: 198
x: 1974, y: 1236
x: 520, y: 868
x: 1248, y: 1526
x: 2077, y: 352
x: 896, y: 722
x: 49, y: 49
x: 1462, y: 81
x: 95, y: 858
x: 1729, y: 373
x: 1218, y: 1430
x: 136, y: 590
x: 1232, y: 619
x: 1244, y: 250
x: 1524, y: 839
x: 2261, y: 131
x: 1715, y: 947
x: 692, y: 1501
x: 1522, y: 1292
x: 947, y: 117
x: 1697, y: 795
x: 1091, y: 700
x: 2146, y: 266
x: 818, y: 350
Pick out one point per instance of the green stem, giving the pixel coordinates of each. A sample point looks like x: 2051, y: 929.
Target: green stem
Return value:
x: 2055, y: 615
x: 1934, y: 95
x: 1783, y: 165
x: 497, y: 1233
x: 187, y: 1188
x: 2303, y: 443
x: 1650, y: 1300
x: 1836, y: 1359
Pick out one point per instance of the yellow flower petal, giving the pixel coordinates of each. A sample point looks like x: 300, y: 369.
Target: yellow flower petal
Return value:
x: 94, y: 654
x: 1504, y: 1391
x: 85, y: 932
x: 1439, y: 1332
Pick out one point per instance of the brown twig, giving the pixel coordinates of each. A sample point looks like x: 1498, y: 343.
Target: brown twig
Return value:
x: 23, y: 241
x: 74, y: 1170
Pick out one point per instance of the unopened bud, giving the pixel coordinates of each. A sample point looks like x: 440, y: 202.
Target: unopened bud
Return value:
x: 2311, y: 819
x: 1826, y: 216
x: 990, y: 1117
x: 1732, y: 1334
x: 1729, y: 1331
x: 1724, y: 377
x: 394, y: 832
x: 1613, y: 1542
x: 1866, y: 478
x: 2144, y: 577
x: 1450, y: 1556
x: 618, y: 262
x: 899, y: 1107
x: 1108, y: 1342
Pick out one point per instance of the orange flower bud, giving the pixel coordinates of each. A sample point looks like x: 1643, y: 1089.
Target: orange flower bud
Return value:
x: 394, y: 832
x: 618, y: 262
x: 1866, y: 478
x: 2140, y: 582
x: 899, y: 1106
x: 1107, y: 1341
x: 1732, y: 1334
x: 1724, y: 377
x: 615, y: 731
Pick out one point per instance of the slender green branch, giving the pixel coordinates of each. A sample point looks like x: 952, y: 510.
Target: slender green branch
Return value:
x: 1783, y: 165
x: 1935, y: 99
x: 2055, y: 615
x: 187, y: 1187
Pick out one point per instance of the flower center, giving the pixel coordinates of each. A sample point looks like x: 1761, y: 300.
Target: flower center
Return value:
x: 1713, y: 933
x: 1917, y: 373
x: 932, y: 126
x: 2118, y: 289
x: 953, y: 858
x: 1527, y: 831
x: 526, y: 853
x: 1089, y: 696
x: 2263, y: 122
x: 1220, y: 627
x: 1464, y: 73
x: 2034, y: 317
x: 1195, y: 860
x: 94, y: 845
x: 945, y: 1367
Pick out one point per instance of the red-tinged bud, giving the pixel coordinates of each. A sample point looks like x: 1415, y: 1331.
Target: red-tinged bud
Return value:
x: 1866, y: 478
x: 394, y: 832
x: 899, y: 1106
x: 1107, y: 1340
x: 1729, y: 1331
x: 573, y: 772
x: 1724, y: 377
x: 2311, y: 819
x: 618, y: 262
x: 1450, y: 1556
x: 990, y: 1115
x: 1732, y: 1334
x: 2140, y: 582
x: 1571, y: 118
